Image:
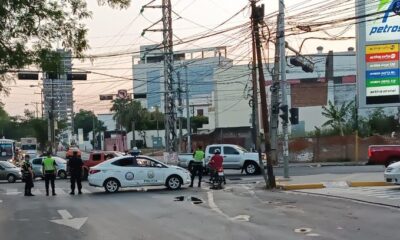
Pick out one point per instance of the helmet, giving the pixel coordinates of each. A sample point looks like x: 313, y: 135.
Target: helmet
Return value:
x: 217, y: 151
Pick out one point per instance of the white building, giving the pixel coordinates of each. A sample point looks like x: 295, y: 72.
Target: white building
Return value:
x: 307, y: 91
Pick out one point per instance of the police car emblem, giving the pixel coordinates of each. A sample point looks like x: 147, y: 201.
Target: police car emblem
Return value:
x: 150, y: 174
x: 129, y: 176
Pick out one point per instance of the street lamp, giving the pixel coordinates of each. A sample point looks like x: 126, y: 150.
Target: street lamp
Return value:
x: 35, y: 104
x: 41, y: 97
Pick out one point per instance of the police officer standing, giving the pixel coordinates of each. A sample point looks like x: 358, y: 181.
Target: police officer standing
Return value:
x: 75, y: 164
x: 49, y: 169
x: 27, y: 174
x: 197, y: 165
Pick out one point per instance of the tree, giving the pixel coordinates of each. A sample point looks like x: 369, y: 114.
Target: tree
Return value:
x: 84, y: 119
x: 337, y: 116
x: 28, y: 29
x: 198, y: 121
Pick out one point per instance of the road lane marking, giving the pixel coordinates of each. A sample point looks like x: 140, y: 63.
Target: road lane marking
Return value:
x: 213, y: 206
x: 68, y: 220
x: 12, y: 191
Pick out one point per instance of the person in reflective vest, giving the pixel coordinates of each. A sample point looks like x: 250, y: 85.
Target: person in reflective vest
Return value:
x: 49, y: 169
x: 27, y: 175
x: 196, y: 168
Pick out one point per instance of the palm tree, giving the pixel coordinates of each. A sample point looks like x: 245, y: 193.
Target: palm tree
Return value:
x: 337, y: 116
x: 120, y: 109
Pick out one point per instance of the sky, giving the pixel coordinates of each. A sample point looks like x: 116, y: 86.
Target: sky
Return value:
x: 116, y: 31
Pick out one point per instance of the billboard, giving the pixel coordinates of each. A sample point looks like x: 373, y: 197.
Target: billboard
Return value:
x: 378, y: 39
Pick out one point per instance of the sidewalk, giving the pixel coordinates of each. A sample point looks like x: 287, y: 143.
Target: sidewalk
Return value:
x: 369, y: 179
x: 323, y: 164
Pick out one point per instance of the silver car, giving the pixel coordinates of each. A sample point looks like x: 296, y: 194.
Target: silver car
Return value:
x: 61, y: 167
x: 9, y: 172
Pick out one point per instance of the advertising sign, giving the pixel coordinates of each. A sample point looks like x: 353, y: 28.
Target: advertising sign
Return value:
x: 378, y: 53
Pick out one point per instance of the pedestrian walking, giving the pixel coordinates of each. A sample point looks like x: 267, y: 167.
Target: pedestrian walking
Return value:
x: 75, y: 164
x: 115, y: 147
x: 197, y: 165
x: 27, y: 175
x: 49, y: 169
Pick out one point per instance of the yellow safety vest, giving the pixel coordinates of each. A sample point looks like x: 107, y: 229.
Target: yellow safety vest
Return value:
x: 199, y: 156
x: 48, y: 164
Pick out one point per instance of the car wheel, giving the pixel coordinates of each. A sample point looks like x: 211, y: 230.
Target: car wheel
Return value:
x: 62, y: 174
x: 111, y: 185
x: 251, y: 168
x: 174, y: 182
x: 11, y: 178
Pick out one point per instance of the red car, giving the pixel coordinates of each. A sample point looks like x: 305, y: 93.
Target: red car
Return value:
x: 383, y: 154
x: 96, y: 158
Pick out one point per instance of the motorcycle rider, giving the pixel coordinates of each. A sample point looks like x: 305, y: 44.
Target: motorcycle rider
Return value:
x: 215, y: 165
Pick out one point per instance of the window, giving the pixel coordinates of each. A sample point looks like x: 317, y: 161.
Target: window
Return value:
x: 96, y: 157
x: 144, y: 162
x: 211, y: 150
x: 231, y: 151
x: 29, y: 147
x: 200, y: 112
x: 125, y: 162
x: 37, y: 161
x: 7, y: 165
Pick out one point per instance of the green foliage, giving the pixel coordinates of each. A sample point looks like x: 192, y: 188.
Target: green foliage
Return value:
x: 197, y: 122
x: 29, y: 29
x: 127, y: 111
x: 337, y: 116
x: 84, y: 119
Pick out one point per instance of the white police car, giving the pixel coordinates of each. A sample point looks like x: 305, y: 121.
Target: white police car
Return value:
x: 130, y: 171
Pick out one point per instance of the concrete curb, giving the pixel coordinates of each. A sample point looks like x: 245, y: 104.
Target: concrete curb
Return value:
x: 368, y: 184
x: 304, y: 186
x: 300, y: 186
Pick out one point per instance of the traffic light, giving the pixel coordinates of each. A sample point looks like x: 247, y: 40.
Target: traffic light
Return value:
x: 77, y: 76
x: 294, y: 116
x: 284, y: 115
x: 304, y: 63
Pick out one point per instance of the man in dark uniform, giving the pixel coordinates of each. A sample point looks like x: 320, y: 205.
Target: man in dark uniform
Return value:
x: 75, y: 164
x: 27, y: 174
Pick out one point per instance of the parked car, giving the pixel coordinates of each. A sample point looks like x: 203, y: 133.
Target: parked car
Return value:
x: 383, y: 154
x: 61, y: 167
x: 392, y: 173
x: 129, y: 171
x: 9, y: 172
x: 98, y: 157
x: 235, y: 157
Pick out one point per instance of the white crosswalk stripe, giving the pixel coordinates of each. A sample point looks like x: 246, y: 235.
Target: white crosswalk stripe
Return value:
x: 41, y: 191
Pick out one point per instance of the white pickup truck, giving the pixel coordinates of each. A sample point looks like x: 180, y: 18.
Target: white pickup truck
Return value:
x: 235, y: 157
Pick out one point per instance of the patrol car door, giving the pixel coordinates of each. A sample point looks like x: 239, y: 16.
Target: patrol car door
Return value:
x: 231, y: 157
x: 150, y: 172
x: 125, y: 172
x: 2, y: 172
x: 37, y: 166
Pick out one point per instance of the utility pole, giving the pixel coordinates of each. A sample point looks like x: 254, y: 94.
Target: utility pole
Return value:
x: 133, y: 133
x: 169, y: 97
x: 257, y: 16
x: 93, y: 133
x: 255, y: 114
x: 169, y: 92
x: 282, y: 58
x: 180, y: 110
x: 188, y: 127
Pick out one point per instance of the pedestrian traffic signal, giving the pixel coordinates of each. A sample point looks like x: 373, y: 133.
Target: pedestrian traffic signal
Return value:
x: 294, y: 116
x: 284, y: 113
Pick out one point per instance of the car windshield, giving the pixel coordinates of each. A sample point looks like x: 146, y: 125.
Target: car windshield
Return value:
x: 28, y: 147
x: 7, y: 165
x: 6, y: 149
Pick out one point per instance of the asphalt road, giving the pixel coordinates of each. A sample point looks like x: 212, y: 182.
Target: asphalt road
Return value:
x: 240, y: 212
